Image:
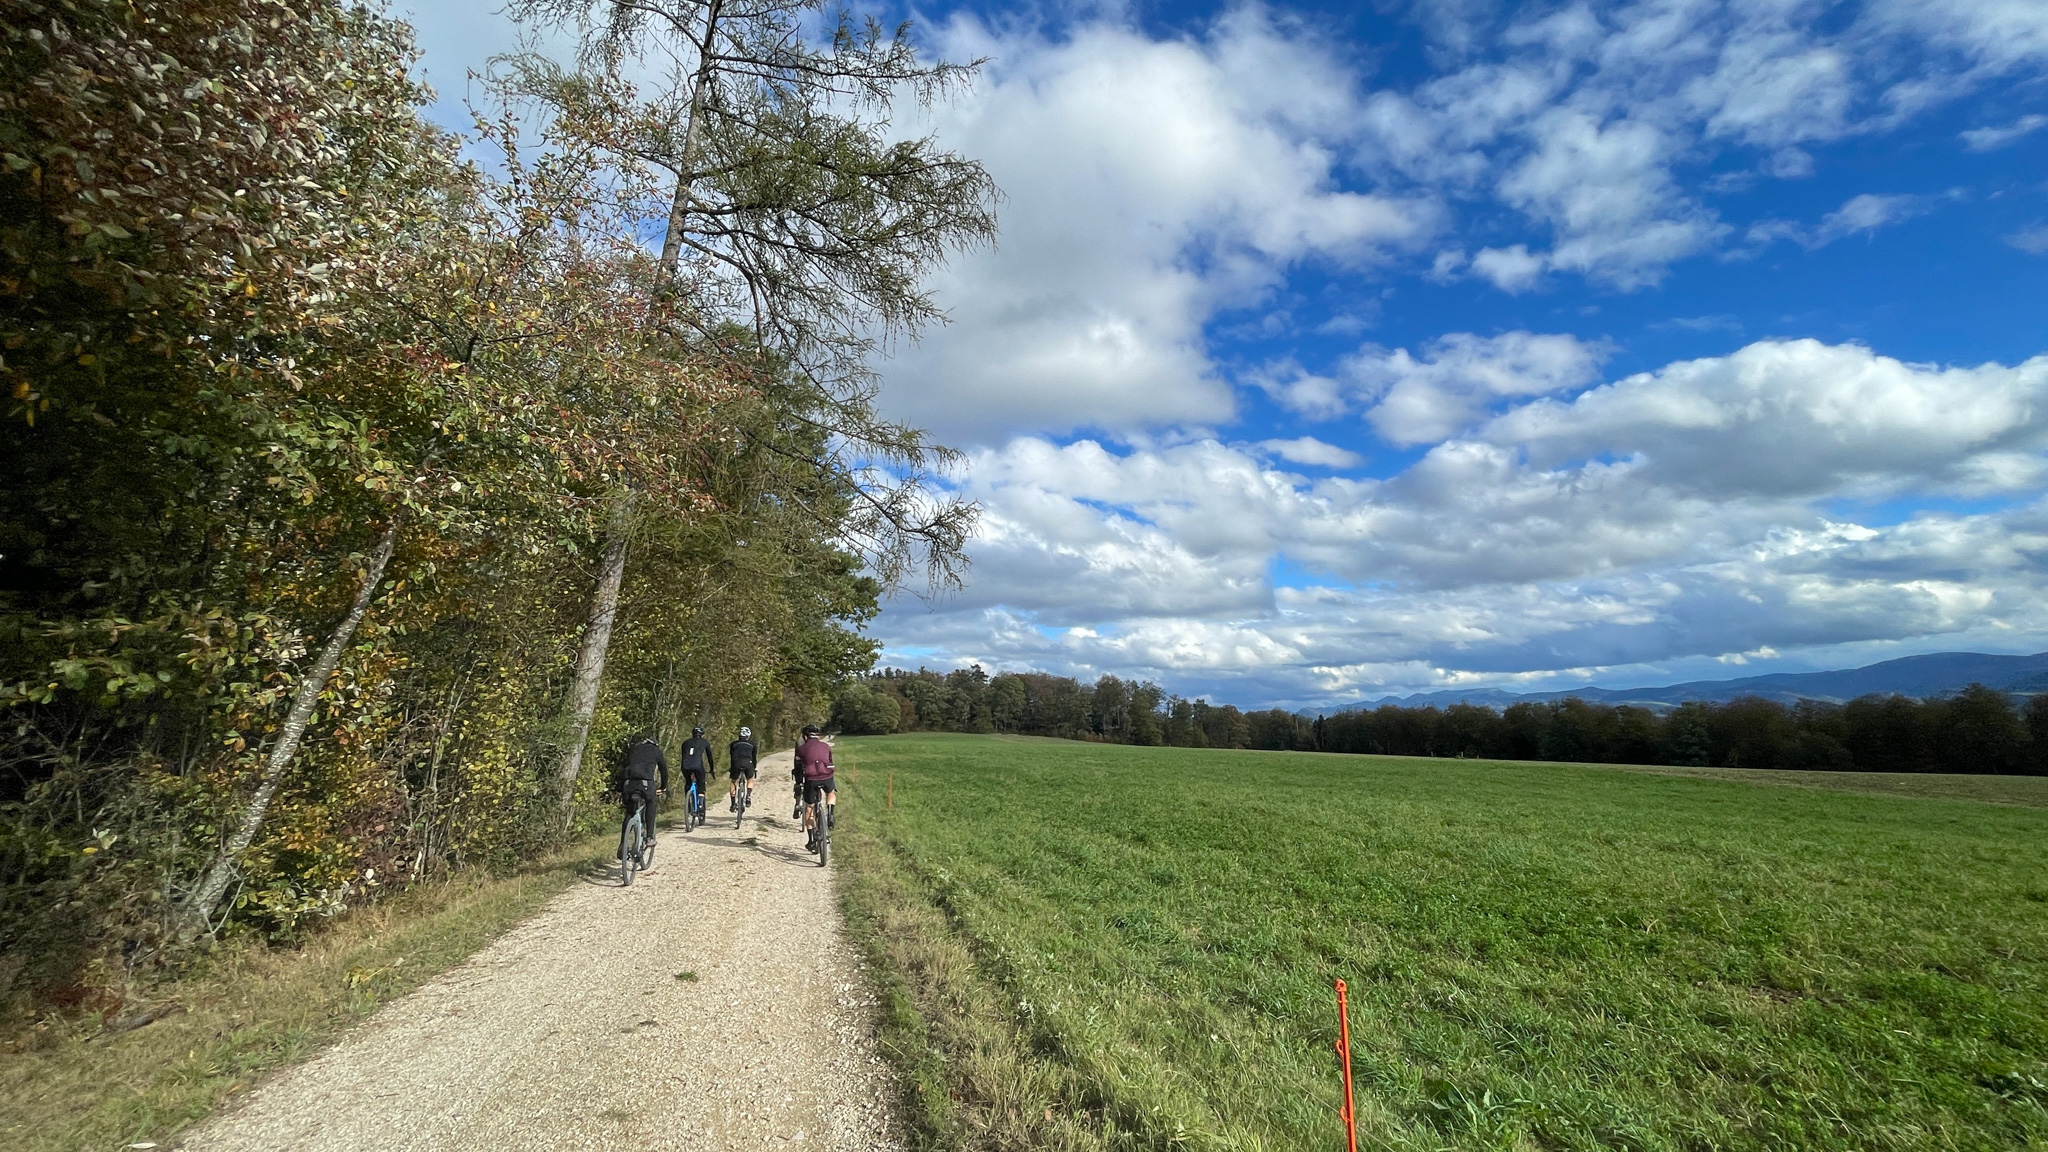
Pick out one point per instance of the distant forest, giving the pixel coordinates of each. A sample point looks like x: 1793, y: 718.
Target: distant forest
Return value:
x: 1978, y: 729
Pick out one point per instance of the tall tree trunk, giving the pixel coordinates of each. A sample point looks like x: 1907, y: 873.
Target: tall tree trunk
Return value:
x: 580, y: 704
x: 200, y: 906
x: 693, y: 146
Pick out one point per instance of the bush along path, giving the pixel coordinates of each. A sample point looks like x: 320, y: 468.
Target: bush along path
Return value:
x: 715, y: 1003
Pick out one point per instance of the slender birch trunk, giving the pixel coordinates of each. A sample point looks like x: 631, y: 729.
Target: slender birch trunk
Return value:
x: 199, y: 908
x: 679, y: 210
x: 581, y: 702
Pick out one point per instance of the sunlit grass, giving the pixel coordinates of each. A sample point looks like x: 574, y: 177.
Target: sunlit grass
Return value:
x: 1087, y: 946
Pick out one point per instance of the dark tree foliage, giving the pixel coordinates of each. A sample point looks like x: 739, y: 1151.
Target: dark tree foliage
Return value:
x: 1977, y: 730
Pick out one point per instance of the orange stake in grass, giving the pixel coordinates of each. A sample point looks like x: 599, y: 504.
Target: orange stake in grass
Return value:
x: 1350, y: 1112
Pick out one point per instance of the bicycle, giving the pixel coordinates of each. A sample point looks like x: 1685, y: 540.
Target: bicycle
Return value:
x: 636, y: 847
x: 740, y: 798
x: 820, y: 815
x: 693, y: 807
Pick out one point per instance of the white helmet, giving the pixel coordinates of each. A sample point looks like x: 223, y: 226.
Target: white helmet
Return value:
x: 746, y: 733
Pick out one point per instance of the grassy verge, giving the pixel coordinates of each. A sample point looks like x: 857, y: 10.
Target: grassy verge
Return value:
x: 71, y: 1085
x: 1084, y: 946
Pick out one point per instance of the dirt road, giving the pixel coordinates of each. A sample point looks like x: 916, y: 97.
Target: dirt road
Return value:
x: 575, y: 1030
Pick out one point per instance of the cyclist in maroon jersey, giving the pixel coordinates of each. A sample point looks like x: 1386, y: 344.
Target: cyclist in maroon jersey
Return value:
x: 814, y: 775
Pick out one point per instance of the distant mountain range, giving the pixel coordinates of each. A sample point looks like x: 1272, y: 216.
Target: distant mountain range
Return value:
x: 1919, y: 676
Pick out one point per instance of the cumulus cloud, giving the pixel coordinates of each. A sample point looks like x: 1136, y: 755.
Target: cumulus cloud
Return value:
x: 1859, y: 215
x: 1421, y: 400
x: 1802, y: 419
x: 1311, y: 451
x: 1690, y: 512
x: 1149, y: 184
x: 1512, y: 270
x: 1412, y: 398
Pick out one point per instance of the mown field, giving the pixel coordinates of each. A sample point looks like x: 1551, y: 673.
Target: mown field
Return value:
x: 1087, y: 946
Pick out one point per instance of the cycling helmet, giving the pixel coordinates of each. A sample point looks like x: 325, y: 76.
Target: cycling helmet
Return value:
x: 746, y: 733
x: 697, y: 731
x: 810, y: 729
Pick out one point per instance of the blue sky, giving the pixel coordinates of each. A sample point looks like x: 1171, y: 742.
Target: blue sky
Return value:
x: 1332, y: 351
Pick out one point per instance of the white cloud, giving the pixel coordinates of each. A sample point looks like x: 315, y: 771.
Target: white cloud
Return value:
x: 1988, y: 138
x: 1418, y: 399
x: 2032, y: 239
x: 1149, y: 184
x: 1311, y: 451
x: 1867, y: 213
x: 1802, y: 419
x: 1682, y: 514
x: 1511, y: 270
x: 1863, y: 214
x: 1423, y: 400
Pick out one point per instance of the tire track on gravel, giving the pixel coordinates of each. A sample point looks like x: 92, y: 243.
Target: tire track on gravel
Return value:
x: 573, y: 1030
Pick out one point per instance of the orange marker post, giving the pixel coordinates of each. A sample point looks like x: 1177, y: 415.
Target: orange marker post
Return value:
x: 1350, y: 1112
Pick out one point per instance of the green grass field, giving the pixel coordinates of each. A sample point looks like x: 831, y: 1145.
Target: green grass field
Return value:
x: 1090, y: 946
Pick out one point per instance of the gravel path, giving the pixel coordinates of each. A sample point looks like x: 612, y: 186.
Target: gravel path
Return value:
x: 574, y: 1030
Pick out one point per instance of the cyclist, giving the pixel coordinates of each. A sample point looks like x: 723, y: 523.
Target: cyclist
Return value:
x: 697, y: 763
x: 814, y: 775
x: 635, y: 779
x: 739, y: 766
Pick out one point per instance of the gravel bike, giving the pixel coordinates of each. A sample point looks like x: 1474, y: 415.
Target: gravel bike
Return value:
x: 693, y: 808
x: 819, y: 813
x: 636, y: 846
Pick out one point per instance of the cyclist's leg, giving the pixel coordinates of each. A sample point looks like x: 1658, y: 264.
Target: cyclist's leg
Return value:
x: 633, y: 796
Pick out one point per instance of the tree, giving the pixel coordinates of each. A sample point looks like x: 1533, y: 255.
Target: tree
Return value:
x: 789, y: 215
x: 1981, y: 732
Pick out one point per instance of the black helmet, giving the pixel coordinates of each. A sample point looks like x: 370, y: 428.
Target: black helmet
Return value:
x: 810, y: 729
x: 697, y: 731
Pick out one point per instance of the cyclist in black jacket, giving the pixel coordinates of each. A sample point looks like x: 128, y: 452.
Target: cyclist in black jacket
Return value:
x: 739, y: 766
x: 697, y: 762
x: 635, y: 780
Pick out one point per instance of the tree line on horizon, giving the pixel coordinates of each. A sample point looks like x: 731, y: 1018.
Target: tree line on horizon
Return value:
x: 361, y: 497
x: 1975, y: 730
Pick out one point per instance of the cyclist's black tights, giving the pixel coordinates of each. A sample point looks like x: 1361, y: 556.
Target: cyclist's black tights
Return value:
x: 635, y: 794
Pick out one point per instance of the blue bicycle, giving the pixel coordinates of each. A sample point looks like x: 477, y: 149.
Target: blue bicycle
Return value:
x: 693, y: 808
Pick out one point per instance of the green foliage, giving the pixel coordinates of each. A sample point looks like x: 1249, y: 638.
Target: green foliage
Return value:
x: 1975, y: 730
x: 1090, y: 946
x: 249, y: 322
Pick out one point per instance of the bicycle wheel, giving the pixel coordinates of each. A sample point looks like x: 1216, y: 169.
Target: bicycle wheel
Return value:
x: 739, y: 807
x: 629, y: 851
x: 646, y: 853
x: 824, y: 833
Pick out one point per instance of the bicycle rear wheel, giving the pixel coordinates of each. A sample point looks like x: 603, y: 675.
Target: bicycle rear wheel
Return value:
x: 824, y: 833
x: 739, y: 807
x: 630, y: 847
